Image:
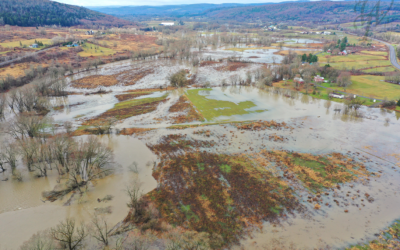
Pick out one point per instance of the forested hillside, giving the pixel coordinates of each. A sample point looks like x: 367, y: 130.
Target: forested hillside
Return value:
x: 45, y: 12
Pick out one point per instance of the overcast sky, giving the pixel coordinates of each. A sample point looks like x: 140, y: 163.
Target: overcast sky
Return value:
x: 154, y: 2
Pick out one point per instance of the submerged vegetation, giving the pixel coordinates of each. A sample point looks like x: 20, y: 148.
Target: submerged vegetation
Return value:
x: 387, y: 239
x: 212, y: 108
x: 227, y: 194
x: 219, y: 194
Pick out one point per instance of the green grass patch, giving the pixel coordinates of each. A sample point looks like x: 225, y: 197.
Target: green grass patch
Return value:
x: 323, y: 93
x: 372, y: 86
x: 380, y: 69
x: 379, y: 53
x: 95, y: 50
x: 205, y: 124
x: 356, y: 61
x: 211, y: 108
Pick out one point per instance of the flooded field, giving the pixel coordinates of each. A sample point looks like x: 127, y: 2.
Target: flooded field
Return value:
x: 259, y: 167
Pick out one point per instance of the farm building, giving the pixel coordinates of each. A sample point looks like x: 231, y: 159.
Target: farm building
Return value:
x: 318, y: 79
x: 34, y: 45
x: 298, y: 80
x: 167, y: 24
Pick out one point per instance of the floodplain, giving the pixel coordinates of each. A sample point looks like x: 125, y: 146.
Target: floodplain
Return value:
x: 238, y: 164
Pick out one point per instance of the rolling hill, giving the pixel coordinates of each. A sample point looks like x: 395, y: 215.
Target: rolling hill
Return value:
x: 165, y: 10
x: 46, y: 12
x: 316, y: 11
x: 298, y: 11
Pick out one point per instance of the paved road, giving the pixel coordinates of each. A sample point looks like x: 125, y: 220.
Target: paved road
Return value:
x: 392, y: 54
x: 393, y: 58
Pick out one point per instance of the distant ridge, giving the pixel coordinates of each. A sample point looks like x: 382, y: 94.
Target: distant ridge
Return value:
x: 303, y: 10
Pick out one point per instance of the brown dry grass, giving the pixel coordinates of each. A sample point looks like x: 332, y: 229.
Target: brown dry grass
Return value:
x: 232, y: 66
x: 18, y: 70
x: 129, y: 42
x: 207, y: 63
x: 91, y: 82
x: 125, y: 97
x: 136, y: 131
x: 133, y: 79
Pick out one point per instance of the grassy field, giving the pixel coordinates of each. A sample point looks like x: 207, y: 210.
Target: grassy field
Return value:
x: 380, y: 69
x: 95, y: 50
x: 355, y: 61
x: 377, y: 53
x: 360, y: 64
x: 211, y: 108
x: 24, y: 42
x: 351, y: 58
x: 321, y: 93
x: 372, y: 86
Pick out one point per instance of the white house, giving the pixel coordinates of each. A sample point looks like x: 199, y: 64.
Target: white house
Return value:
x: 167, y: 24
x: 327, y: 32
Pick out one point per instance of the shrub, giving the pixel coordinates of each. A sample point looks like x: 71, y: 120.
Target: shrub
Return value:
x: 389, y: 103
x: 178, y: 79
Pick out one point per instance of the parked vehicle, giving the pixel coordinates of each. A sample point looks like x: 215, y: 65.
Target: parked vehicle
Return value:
x: 336, y: 95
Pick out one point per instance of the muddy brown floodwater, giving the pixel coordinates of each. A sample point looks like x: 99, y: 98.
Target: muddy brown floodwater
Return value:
x: 373, y: 138
x: 23, y: 212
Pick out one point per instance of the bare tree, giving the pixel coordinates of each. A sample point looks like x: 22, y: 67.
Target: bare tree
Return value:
x: 90, y: 160
x: 274, y: 59
x: 29, y: 149
x: 69, y: 234
x: 2, y: 105
x: 135, y: 193
x: 62, y: 147
x: 100, y: 230
x: 29, y: 125
x: 9, y: 155
x: 344, y: 79
x: 39, y: 241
